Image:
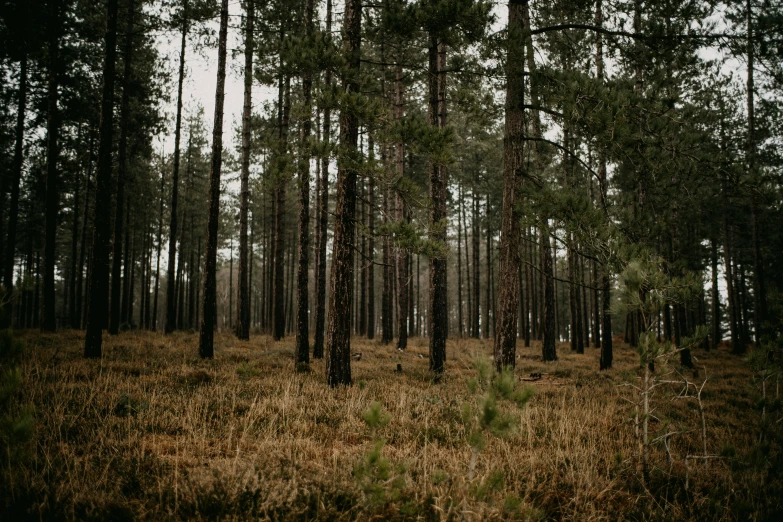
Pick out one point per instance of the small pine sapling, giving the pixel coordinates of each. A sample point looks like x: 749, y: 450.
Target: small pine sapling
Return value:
x: 488, y: 415
x: 380, y: 483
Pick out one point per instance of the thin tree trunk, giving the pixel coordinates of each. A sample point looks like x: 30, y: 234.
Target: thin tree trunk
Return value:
x: 400, y: 214
x: 459, y: 265
x: 338, y: 342
x: 49, y: 322
x: 73, y: 311
x: 323, y: 216
x: 716, y: 315
x: 549, y: 348
x: 371, y: 247
x: 16, y: 178
x: 278, y: 267
x: 99, y: 271
x: 171, y: 303
x: 118, y: 311
x: 302, y: 343
x: 243, y: 301
x: 606, y: 326
x: 209, y: 306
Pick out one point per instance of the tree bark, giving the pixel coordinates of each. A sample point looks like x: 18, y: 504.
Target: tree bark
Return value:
x: 505, y: 345
x: 338, y: 362
x: 171, y: 303
x: 49, y: 322
x: 438, y: 311
x: 243, y: 301
x: 323, y: 216
x: 400, y: 214
x: 99, y: 272
x: 278, y: 257
x: 549, y: 348
x: 371, y: 248
x: 302, y: 342
x: 16, y: 178
x: 209, y: 306
x: 154, y: 325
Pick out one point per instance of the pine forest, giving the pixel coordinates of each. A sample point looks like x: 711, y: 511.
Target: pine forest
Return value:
x: 392, y: 260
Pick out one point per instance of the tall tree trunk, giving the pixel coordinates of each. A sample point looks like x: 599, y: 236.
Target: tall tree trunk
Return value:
x: 16, y: 178
x: 80, y: 290
x: 438, y: 311
x: 475, y: 223
x: 362, y: 311
x: 302, y: 342
x: 400, y: 214
x: 115, y: 310
x: 371, y: 247
x: 99, y: 272
x: 460, y: 323
x: 549, y: 346
x: 505, y: 345
x: 759, y: 287
x: 278, y: 266
x: 126, y: 280
x: 49, y: 322
x: 387, y: 326
x: 243, y: 301
x: 338, y: 342
x: 716, y: 315
x: 606, y: 326
x: 72, y: 311
x: 209, y: 306
x: 323, y: 216
x: 154, y: 325
x: 171, y: 303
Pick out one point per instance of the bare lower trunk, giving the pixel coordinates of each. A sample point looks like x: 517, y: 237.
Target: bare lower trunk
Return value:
x: 513, y: 176
x: 338, y: 342
x: 302, y: 343
x: 438, y: 311
x: 243, y: 299
x: 209, y: 306
x: 99, y: 271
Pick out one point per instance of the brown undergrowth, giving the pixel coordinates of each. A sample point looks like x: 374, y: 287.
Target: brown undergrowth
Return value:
x: 151, y: 432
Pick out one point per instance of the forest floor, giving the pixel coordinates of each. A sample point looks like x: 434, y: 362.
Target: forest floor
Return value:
x: 152, y: 432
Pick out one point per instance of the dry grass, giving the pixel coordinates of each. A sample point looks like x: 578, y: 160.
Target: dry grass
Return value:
x: 153, y: 432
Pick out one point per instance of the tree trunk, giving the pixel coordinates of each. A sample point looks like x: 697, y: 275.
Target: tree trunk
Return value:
x: 302, y: 343
x: 16, y: 177
x: 73, y: 312
x: 716, y: 315
x: 80, y: 290
x: 505, y: 345
x: 371, y: 248
x: 171, y: 303
x: 549, y: 347
x: 438, y: 311
x: 476, y: 225
x: 278, y: 256
x: 49, y: 322
x: 460, y: 322
x: 759, y: 287
x: 338, y: 362
x: 243, y: 300
x: 99, y: 272
x: 606, y: 326
x: 209, y: 306
x: 115, y: 310
x: 323, y: 216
